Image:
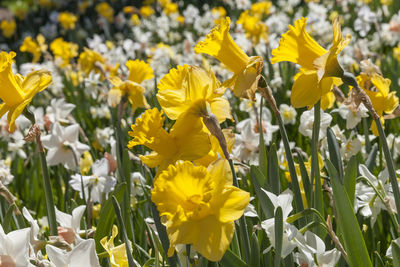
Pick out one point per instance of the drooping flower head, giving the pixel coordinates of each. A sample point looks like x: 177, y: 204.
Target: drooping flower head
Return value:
x: 132, y: 90
x: 318, y: 66
x: 219, y: 44
x: 190, y: 88
x: 199, y: 206
x: 18, y: 91
x: 90, y: 60
x: 378, y: 90
x: 185, y: 141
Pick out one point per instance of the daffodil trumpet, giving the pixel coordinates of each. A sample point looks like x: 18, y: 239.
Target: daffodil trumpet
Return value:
x: 247, y: 70
x: 18, y: 91
x: 320, y: 69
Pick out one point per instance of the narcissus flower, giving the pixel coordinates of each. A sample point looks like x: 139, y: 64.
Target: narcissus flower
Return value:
x: 247, y: 70
x: 8, y: 27
x: 377, y: 88
x: 90, y: 60
x: 199, y: 206
x: 18, y: 91
x: 254, y: 28
x: 132, y: 90
x: 192, y: 89
x: 139, y: 71
x: 146, y: 11
x: 185, y: 141
x: 105, y: 10
x: 64, y: 51
x: 67, y: 20
x: 118, y: 257
x: 35, y: 47
x: 319, y: 66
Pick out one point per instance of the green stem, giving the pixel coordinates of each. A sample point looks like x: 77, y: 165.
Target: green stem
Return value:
x: 51, y: 212
x: 242, y: 221
x: 315, y: 172
x: 123, y: 231
x: 292, y: 169
x: 390, y: 165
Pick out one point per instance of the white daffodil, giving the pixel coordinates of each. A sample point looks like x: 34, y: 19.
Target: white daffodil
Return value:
x: 307, y: 122
x: 63, y: 146
x: 84, y: 254
x: 389, y: 252
x: 14, y: 248
x: 352, y: 117
x: 367, y: 201
x: 137, y: 184
x: 70, y: 224
x: 35, y: 229
x: 312, y: 252
x: 288, y: 114
x: 99, y: 183
x: 5, y: 173
x: 350, y: 146
x: 284, y: 200
x: 59, y: 110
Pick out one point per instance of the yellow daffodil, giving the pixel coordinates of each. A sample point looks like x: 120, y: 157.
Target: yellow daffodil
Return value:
x: 377, y: 88
x: 90, y: 60
x: 67, y: 20
x: 35, y: 47
x: 318, y: 64
x: 8, y: 27
x: 185, y: 141
x: 18, y: 91
x: 254, y: 28
x: 146, y: 11
x: 86, y: 162
x: 105, y: 10
x: 139, y: 71
x: 118, y: 257
x: 247, y: 70
x: 135, y: 20
x: 199, y: 206
x: 132, y: 90
x: 190, y: 88
x: 261, y: 8
x: 216, y: 151
x: 63, y: 51
x: 170, y: 8
x: 396, y: 53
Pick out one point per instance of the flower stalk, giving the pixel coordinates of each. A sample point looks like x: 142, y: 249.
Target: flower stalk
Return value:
x: 35, y: 132
x: 362, y: 97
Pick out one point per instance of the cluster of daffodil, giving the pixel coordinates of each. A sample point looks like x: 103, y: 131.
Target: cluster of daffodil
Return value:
x: 174, y: 133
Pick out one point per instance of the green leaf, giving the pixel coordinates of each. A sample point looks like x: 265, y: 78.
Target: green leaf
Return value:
x: 278, y: 236
x: 353, y: 240
x: 305, y: 178
x: 231, y: 259
x: 273, y: 170
x: 370, y: 162
x: 396, y: 254
x: 7, y: 219
x: 334, y: 153
x: 266, y: 204
x: 117, y: 210
x: 107, y: 216
x: 255, y: 251
x: 262, y: 151
x: 349, y: 179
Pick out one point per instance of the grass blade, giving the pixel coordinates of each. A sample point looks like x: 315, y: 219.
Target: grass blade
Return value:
x: 278, y: 236
x: 353, y: 240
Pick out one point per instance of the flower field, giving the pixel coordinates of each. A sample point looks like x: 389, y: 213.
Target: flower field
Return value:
x: 199, y: 133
